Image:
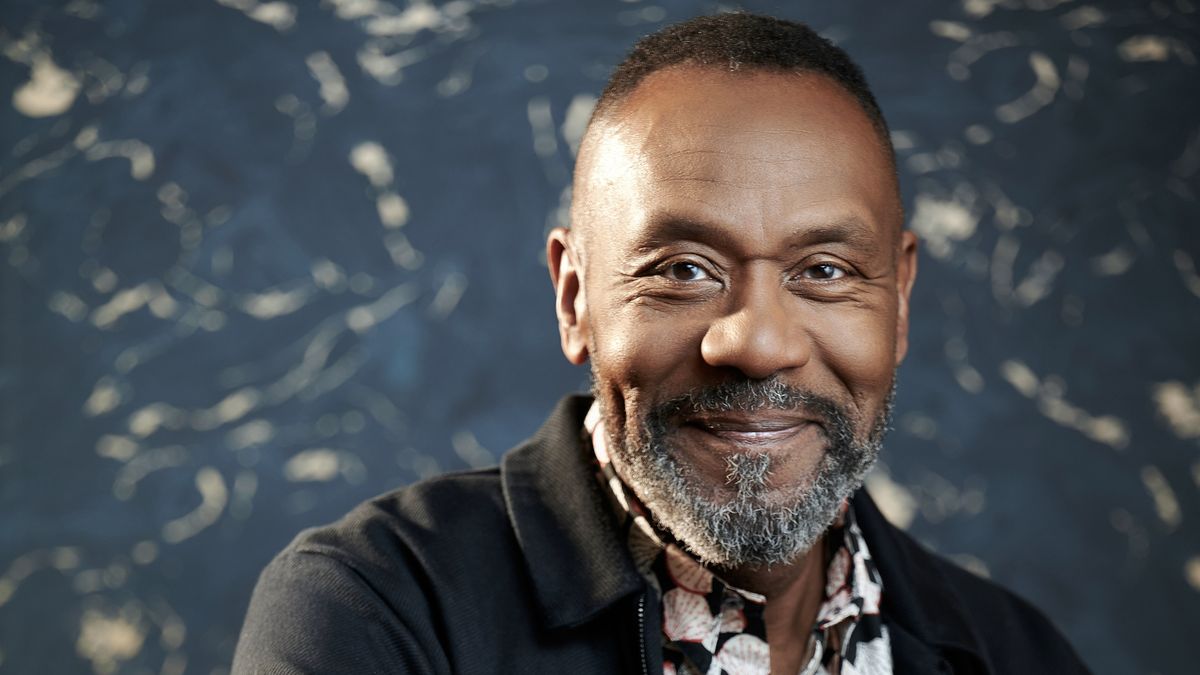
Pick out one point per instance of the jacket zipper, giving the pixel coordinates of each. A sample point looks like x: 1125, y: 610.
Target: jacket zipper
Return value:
x: 642, y: 633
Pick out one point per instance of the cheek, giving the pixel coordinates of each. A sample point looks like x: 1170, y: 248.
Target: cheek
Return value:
x: 645, y: 353
x: 859, y: 349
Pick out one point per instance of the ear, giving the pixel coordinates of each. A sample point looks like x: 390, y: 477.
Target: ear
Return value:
x: 906, y: 274
x: 570, y: 302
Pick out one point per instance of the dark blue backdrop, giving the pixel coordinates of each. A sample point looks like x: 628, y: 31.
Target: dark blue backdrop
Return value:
x: 262, y: 260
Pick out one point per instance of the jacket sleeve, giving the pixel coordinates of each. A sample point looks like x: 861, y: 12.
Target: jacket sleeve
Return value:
x: 312, y: 613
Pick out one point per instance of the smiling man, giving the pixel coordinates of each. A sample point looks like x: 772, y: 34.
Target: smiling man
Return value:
x: 737, y: 275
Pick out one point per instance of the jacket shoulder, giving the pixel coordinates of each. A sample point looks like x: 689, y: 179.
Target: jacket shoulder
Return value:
x: 425, y: 518
x: 1001, y: 628
x: 1015, y: 635
x: 965, y: 617
x: 371, y: 592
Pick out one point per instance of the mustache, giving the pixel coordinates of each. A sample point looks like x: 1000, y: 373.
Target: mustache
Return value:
x: 749, y: 396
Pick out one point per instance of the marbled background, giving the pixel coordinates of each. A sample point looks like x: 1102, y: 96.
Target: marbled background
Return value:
x: 263, y: 260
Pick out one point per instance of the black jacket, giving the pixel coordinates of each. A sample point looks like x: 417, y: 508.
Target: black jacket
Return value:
x: 519, y: 569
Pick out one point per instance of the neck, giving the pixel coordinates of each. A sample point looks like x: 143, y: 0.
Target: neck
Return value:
x: 796, y: 584
x: 794, y: 595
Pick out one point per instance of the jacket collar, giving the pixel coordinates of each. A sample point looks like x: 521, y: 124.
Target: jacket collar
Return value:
x: 927, y: 619
x: 577, y: 562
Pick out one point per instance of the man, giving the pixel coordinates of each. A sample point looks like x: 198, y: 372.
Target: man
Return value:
x: 738, y: 276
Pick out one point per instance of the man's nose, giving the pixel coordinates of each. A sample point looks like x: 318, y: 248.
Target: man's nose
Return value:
x: 762, y: 335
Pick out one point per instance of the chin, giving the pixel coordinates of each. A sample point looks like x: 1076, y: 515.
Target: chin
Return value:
x: 770, y: 527
x: 742, y: 520
x: 734, y: 504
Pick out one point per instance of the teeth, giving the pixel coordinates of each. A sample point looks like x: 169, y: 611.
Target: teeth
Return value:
x: 749, y: 429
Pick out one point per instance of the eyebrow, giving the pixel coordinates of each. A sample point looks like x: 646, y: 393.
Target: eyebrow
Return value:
x: 668, y: 228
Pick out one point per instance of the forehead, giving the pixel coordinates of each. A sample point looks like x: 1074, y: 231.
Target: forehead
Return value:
x: 756, y: 153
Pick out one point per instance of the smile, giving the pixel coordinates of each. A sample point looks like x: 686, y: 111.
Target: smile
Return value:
x: 753, y: 431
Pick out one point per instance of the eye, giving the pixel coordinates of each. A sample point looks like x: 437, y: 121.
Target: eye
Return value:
x: 684, y: 270
x: 823, y: 272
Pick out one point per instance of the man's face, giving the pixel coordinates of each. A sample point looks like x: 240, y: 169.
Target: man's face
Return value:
x: 739, y: 279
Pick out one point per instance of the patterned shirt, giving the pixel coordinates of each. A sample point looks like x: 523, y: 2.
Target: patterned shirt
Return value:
x: 712, y: 628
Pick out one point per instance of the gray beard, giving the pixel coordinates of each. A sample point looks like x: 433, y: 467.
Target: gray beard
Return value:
x: 746, y: 529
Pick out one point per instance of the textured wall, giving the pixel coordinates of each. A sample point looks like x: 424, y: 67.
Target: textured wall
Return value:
x: 262, y: 260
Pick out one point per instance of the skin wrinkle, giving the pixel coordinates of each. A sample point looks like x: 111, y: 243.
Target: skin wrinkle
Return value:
x: 687, y: 171
x: 615, y: 122
x: 733, y: 155
x: 734, y: 129
x: 849, y: 232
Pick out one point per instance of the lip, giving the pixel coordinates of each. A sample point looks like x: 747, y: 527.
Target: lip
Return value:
x: 752, y: 430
